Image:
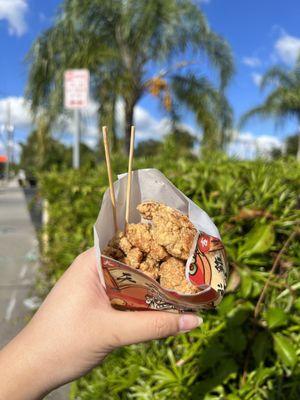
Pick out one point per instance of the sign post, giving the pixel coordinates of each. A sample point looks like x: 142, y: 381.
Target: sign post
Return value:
x: 76, y: 98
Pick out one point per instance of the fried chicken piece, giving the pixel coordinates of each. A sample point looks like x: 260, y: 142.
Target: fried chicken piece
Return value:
x: 140, y: 235
x: 125, y: 245
x: 150, y: 267
x: 171, y: 229
x: 148, y: 208
x: 172, y: 276
x: 157, y: 252
x: 133, y: 258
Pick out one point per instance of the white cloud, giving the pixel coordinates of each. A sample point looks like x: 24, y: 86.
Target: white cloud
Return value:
x: 256, y: 78
x: 247, y: 146
x: 20, y: 112
x: 266, y: 143
x: 251, y: 61
x: 148, y: 127
x: 13, y: 11
x: 287, y: 48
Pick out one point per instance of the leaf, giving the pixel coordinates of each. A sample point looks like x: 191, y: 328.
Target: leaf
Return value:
x: 256, y: 289
x: 220, y: 375
x: 261, y: 346
x: 232, y: 397
x: 246, y: 286
x: 263, y: 374
x: 259, y: 240
x: 226, y: 305
x: 212, y: 355
x: 285, y: 349
x: 239, y: 314
x: 275, y: 317
x: 297, y: 304
x: 235, y: 340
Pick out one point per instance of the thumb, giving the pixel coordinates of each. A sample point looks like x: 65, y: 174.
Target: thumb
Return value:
x: 140, y: 326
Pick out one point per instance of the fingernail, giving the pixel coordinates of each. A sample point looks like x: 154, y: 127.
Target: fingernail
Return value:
x: 187, y: 322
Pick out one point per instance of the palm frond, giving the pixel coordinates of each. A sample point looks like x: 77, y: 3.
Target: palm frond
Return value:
x: 219, y: 53
x: 261, y: 111
x: 210, y: 107
x: 280, y: 103
x: 277, y: 75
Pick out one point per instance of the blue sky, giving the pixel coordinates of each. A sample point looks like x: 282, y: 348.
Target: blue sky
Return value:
x: 260, y: 32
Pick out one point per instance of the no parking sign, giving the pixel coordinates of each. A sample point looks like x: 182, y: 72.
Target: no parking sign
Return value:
x: 76, y: 89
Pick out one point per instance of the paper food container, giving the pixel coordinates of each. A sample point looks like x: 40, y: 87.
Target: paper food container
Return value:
x: 131, y: 289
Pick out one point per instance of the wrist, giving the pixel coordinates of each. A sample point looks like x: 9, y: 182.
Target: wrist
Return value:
x: 25, y: 373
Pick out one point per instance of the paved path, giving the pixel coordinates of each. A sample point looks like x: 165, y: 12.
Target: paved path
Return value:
x: 18, y: 266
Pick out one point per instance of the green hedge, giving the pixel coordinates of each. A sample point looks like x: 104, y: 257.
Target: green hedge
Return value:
x: 233, y: 355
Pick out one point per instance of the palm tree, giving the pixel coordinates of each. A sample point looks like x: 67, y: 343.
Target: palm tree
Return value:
x: 283, y: 101
x: 124, y: 44
x: 212, y: 111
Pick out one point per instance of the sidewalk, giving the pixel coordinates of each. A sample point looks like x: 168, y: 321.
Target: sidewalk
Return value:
x: 18, y: 266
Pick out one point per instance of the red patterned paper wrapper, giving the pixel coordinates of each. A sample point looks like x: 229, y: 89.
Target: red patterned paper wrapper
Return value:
x: 131, y: 289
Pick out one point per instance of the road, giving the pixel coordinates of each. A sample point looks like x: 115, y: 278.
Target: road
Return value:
x: 19, y: 262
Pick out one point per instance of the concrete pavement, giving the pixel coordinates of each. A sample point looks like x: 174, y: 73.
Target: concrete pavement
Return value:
x: 18, y: 266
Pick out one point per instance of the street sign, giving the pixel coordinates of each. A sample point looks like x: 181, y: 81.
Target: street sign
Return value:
x: 76, y: 89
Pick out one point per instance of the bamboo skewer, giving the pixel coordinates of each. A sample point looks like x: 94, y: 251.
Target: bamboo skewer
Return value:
x: 110, y: 176
x: 129, y: 175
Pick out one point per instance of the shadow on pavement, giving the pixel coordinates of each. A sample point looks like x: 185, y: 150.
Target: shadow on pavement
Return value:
x: 34, y: 204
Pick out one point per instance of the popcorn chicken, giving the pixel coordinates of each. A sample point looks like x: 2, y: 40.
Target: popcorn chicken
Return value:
x: 159, y: 248
x: 148, y: 208
x: 157, y: 252
x: 172, y: 276
x: 171, y: 229
x: 125, y: 245
x: 150, y: 267
x: 141, y: 236
x: 133, y: 258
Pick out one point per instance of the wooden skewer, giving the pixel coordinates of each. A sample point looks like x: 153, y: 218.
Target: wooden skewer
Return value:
x: 129, y: 175
x: 110, y: 176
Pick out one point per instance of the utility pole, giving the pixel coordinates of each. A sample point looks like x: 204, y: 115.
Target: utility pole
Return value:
x: 9, y: 129
x: 76, y: 146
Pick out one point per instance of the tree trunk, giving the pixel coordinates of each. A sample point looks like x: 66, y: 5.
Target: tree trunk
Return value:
x: 106, y: 116
x: 114, y: 139
x: 129, y: 111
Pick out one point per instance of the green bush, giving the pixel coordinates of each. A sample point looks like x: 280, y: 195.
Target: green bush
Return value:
x: 234, y: 355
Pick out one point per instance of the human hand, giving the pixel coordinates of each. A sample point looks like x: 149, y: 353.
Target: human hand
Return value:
x: 72, y: 332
